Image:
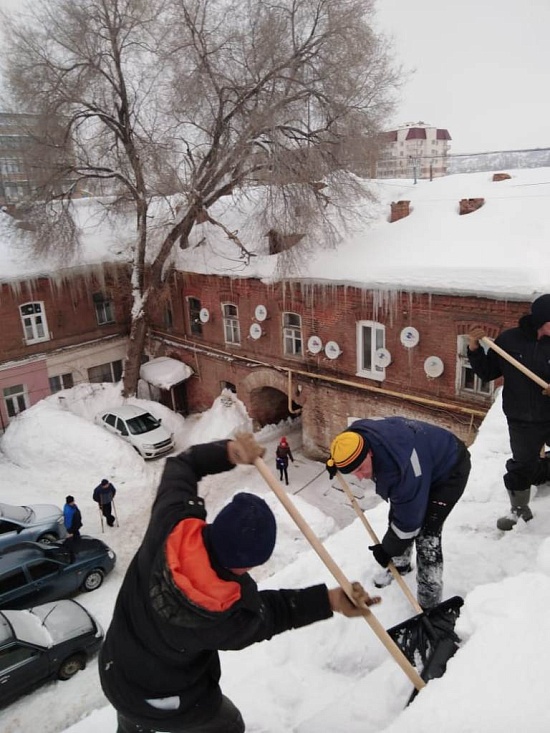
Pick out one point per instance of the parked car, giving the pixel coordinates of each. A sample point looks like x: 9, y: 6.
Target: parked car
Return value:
x: 139, y: 428
x: 32, y: 573
x: 47, y: 641
x: 32, y: 523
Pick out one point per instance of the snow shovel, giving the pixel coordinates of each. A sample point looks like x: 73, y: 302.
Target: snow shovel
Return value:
x: 505, y: 355
x: 428, y: 637
x: 343, y: 582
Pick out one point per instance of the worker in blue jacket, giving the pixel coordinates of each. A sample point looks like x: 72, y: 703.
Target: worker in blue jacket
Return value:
x: 421, y: 470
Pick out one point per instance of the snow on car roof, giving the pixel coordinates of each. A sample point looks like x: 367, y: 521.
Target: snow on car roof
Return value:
x: 50, y: 623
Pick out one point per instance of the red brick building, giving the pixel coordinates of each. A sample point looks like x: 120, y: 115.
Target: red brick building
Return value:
x: 328, y: 353
x: 59, y: 331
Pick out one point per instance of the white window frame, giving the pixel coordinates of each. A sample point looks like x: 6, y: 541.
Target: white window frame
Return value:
x: 231, y: 325
x: 463, y: 369
x: 17, y: 397
x: 368, y: 368
x: 35, y: 325
x: 292, y: 334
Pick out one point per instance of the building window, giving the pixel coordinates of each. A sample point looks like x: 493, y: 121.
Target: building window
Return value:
x: 467, y: 379
x: 292, y: 334
x: 168, y: 318
x: 16, y: 399
x: 371, y: 336
x: 103, y: 309
x: 61, y: 381
x: 194, y: 306
x: 231, y: 327
x: 110, y: 372
x: 35, y: 326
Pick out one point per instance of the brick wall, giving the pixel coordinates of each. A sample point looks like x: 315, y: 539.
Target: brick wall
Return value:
x: 259, y: 368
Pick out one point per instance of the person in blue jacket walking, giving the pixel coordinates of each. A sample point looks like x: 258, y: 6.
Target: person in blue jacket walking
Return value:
x: 422, y: 471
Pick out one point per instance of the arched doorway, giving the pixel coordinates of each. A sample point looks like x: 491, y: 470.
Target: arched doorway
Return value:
x: 268, y: 405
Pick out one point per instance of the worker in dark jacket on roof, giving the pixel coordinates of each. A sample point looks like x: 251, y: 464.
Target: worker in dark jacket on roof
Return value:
x: 421, y: 470
x: 525, y: 404
x: 187, y: 594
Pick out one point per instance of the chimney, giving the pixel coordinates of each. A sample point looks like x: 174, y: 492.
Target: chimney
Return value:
x: 399, y: 210
x: 469, y: 205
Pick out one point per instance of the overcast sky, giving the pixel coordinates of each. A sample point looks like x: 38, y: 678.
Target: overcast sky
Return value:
x: 482, y: 69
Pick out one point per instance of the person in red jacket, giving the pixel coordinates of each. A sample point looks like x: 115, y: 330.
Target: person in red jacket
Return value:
x: 187, y: 594
x: 283, y: 453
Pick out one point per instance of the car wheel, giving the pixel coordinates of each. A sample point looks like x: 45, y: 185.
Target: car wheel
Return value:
x: 48, y: 538
x: 70, y: 666
x: 93, y: 580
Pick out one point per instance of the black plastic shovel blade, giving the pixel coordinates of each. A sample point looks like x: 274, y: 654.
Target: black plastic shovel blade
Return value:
x: 428, y: 640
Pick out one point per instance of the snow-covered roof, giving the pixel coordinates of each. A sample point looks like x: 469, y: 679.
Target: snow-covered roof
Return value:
x: 500, y: 250
x: 164, y: 372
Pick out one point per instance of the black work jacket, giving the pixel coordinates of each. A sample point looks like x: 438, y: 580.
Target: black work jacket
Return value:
x: 522, y: 398
x: 164, y: 637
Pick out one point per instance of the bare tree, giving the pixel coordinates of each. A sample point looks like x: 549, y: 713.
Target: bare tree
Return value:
x: 194, y: 100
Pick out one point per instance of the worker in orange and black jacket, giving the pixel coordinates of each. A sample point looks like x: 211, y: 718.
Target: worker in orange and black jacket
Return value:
x: 187, y: 594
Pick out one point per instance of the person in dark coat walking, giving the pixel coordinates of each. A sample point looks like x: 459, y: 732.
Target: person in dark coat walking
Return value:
x: 422, y: 471
x: 525, y: 405
x: 187, y: 594
x: 72, y: 519
x: 282, y: 454
x: 104, y: 493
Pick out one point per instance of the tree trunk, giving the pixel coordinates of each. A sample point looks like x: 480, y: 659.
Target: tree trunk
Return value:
x: 132, y: 362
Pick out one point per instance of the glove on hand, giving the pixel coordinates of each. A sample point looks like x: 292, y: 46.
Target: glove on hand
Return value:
x: 244, y: 449
x: 380, y: 555
x: 340, y: 603
x: 331, y: 468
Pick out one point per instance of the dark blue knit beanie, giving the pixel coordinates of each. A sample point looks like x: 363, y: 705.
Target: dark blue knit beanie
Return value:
x: 243, y: 534
x: 540, y: 311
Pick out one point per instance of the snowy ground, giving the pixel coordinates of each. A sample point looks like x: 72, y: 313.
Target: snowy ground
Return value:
x: 333, y: 676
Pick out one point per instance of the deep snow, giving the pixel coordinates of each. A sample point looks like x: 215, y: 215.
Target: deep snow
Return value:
x: 335, y: 675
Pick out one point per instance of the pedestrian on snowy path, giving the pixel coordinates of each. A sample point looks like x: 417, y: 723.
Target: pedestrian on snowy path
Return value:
x: 421, y: 470
x: 283, y: 453
x: 104, y: 494
x: 72, y: 519
x: 525, y: 405
x: 187, y: 594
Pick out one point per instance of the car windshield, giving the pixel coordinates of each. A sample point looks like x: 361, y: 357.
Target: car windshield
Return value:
x: 142, y: 424
x: 18, y: 513
x: 61, y: 554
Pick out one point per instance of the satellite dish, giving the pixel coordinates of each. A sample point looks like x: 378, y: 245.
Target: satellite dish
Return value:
x: 255, y: 331
x: 260, y: 313
x: 382, y: 358
x: 204, y: 315
x: 332, y: 350
x: 409, y: 337
x: 433, y: 366
x: 314, y: 344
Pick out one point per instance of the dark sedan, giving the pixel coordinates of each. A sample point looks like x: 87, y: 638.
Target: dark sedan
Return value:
x: 48, y: 641
x: 32, y: 573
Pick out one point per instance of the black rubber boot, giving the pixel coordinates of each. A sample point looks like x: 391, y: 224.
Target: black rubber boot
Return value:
x: 519, y: 509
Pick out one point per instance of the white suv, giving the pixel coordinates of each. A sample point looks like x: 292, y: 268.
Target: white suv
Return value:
x: 139, y: 428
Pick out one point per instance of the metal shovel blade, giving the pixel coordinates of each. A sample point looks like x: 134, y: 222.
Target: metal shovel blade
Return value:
x: 428, y: 640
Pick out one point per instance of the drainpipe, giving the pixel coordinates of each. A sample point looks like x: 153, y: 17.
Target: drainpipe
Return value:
x: 220, y: 354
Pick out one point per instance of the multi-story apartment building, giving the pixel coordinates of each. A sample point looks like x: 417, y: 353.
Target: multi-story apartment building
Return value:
x: 20, y: 168
x: 415, y: 150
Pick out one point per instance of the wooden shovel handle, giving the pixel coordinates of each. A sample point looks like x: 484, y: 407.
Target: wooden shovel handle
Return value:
x: 337, y: 573
x: 391, y: 567
x: 505, y: 355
